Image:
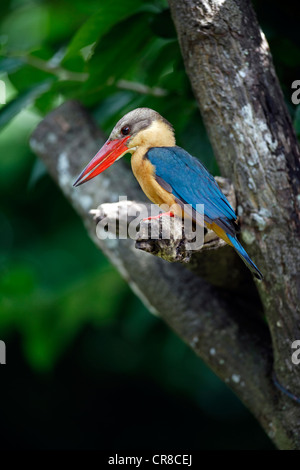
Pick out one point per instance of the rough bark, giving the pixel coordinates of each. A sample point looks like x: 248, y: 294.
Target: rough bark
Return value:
x: 223, y: 329
x: 228, y: 61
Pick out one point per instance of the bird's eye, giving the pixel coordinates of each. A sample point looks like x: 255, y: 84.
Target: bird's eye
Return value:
x: 125, y: 130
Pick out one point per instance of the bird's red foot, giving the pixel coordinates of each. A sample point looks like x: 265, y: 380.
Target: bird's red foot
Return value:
x: 169, y: 214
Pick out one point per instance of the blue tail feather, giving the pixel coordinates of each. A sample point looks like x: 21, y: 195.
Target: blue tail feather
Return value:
x: 245, y: 257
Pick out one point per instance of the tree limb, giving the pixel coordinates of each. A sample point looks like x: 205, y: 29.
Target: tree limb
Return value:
x: 167, y: 239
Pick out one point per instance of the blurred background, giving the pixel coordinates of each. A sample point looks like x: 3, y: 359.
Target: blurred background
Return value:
x: 87, y: 365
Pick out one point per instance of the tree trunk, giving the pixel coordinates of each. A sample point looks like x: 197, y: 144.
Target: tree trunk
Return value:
x: 230, y: 67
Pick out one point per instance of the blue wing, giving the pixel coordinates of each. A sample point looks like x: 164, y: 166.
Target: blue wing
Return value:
x: 191, y: 183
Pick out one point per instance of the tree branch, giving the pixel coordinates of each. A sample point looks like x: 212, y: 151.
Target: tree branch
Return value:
x: 167, y: 239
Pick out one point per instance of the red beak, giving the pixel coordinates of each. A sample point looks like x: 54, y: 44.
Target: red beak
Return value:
x: 107, y: 155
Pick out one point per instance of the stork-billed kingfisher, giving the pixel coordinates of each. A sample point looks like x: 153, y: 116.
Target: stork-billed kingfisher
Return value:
x: 167, y: 173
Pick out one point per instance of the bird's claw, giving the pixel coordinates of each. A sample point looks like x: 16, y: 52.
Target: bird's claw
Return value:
x: 153, y: 217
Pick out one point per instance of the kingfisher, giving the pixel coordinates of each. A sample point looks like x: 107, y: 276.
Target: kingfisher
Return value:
x: 168, y: 174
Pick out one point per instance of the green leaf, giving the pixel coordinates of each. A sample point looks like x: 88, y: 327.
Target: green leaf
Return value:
x: 107, y: 66
x: 38, y: 171
x: 101, y: 22
x: 25, y: 28
x: 11, y: 109
x: 28, y: 77
x: 10, y: 64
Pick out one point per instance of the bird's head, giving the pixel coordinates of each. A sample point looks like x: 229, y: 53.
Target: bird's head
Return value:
x: 142, y: 127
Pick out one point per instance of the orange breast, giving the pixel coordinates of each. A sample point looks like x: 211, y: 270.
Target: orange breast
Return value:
x: 144, y: 172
